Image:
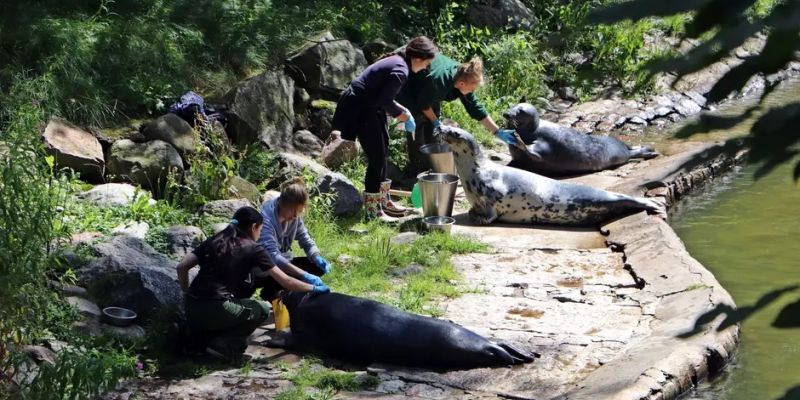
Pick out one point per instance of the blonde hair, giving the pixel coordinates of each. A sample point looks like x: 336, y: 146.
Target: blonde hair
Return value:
x: 293, y: 192
x: 471, y: 71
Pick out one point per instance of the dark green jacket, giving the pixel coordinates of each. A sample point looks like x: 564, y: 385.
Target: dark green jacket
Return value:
x: 428, y: 88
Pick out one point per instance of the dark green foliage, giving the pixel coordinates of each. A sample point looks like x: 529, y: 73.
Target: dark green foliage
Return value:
x: 257, y: 165
x: 80, y: 374
x: 30, y: 311
x: 101, y: 61
x: 727, y: 24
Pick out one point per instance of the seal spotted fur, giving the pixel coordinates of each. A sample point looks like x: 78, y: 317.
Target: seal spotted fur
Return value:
x: 506, y: 194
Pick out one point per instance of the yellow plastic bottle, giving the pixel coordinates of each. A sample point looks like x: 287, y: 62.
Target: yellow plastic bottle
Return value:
x: 281, y: 315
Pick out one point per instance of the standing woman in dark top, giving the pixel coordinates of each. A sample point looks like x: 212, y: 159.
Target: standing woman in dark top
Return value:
x: 361, y: 113
x: 225, y: 260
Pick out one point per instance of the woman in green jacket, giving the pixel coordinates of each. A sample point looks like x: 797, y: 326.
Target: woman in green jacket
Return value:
x: 445, y: 80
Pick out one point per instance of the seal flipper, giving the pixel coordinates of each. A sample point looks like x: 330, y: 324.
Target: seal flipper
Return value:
x: 537, y: 148
x: 501, y: 356
x: 519, y: 355
x: 645, y: 152
x: 482, y: 217
x: 284, y: 341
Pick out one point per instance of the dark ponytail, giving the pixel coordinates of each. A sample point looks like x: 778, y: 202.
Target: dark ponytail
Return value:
x: 229, y: 238
x: 418, y: 47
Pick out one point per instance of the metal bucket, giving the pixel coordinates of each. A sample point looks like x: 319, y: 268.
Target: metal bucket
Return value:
x: 438, y: 192
x: 439, y: 224
x: 440, y: 156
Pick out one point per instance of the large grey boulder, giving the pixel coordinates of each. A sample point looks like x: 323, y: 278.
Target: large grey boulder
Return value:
x: 346, y: 198
x: 114, y: 195
x: 131, y: 274
x: 373, y: 50
x: 182, y: 239
x: 173, y: 130
x: 40, y: 354
x: 84, y: 306
x: 74, y: 148
x: 224, y: 208
x: 137, y: 229
x: 243, y: 189
x: 262, y: 109
x: 129, y: 333
x: 306, y: 143
x: 144, y: 163
x: 317, y: 117
x: 320, y: 118
x: 500, y: 14
x: 325, y: 65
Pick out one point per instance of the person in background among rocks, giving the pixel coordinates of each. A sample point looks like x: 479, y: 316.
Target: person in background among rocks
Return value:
x: 283, y: 224
x: 445, y: 80
x: 361, y: 113
x: 214, y: 314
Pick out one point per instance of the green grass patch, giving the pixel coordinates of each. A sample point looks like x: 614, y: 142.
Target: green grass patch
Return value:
x: 327, y: 382
x: 82, y: 216
x: 364, y: 263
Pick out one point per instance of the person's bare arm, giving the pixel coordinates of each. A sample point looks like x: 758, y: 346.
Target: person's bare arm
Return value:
x: 188, y: 262
x: 489, y: 124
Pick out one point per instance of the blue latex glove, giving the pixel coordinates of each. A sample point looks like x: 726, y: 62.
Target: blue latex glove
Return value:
x: 436, y: 123
x: 321, y: 288
x: 312, y: 279
x: 410, y: 125
x: 506, y: 135
x: 322, y: 263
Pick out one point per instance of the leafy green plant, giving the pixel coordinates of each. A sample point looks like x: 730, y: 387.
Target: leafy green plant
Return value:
x: 80, y: 374
x: 310, y: 373
x: 355, y: 170
x: 81, y: 216
x: 515, y: 70
x: 30, y: 312
x: 257, y: 165
x: 156, y: 237
x: 211, y: 166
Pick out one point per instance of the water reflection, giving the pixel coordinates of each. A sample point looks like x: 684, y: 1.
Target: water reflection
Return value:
x: 746, y: 233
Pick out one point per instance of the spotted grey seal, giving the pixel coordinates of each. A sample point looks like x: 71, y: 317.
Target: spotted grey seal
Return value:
x: 506, y: 194
x: 362, y: 330
x: 553, y: 150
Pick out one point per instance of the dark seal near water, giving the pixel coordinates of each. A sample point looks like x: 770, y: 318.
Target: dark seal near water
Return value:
x: 501, y: 193
x: 553, y: 150
x: 365, y: 331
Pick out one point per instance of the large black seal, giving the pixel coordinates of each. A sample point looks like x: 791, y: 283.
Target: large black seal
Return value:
x: 553, y: 150
x: 361, y: 330
x: 506, y: 194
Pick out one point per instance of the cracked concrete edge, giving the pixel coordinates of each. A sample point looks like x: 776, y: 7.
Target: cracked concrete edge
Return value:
x: 663, y: 366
